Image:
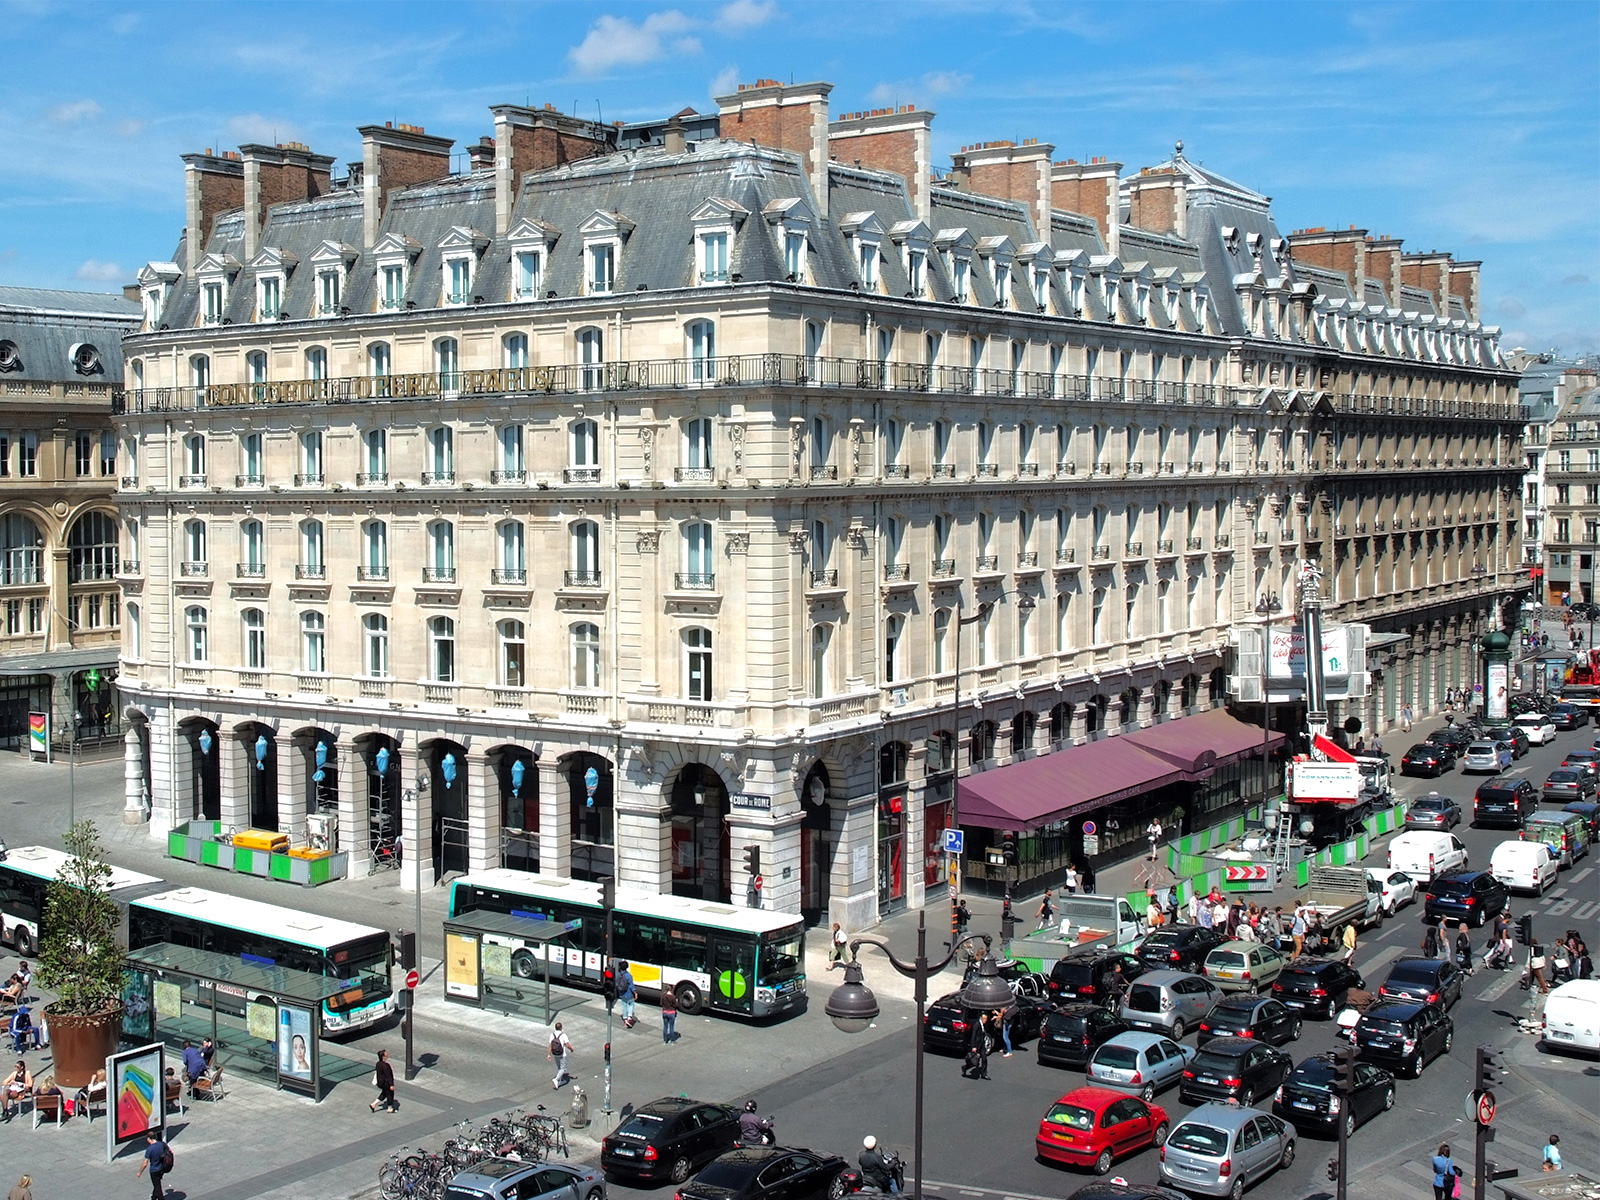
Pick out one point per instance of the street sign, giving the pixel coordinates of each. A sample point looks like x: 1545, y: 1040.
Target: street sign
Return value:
x: 413, y: 978
x: 952, y: 891
x: 1486, y: 1108
x: 1088, y: 828
x: 953, y: 842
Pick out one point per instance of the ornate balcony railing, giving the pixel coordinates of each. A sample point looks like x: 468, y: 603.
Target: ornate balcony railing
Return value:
x: 580, y: 579
x: 250, y: 570
x: 310, y: 571
x: 826, y: 578
x: 944, y: 568
x: 438, y: 574
x: 580, y: 475
x: 508, y: 476
x: 508, y: 576
x: 369, y: 573
x: 694, y: 581
x: 896, y: 572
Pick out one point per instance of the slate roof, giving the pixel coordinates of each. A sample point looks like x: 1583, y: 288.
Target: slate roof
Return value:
x: 47, y: 326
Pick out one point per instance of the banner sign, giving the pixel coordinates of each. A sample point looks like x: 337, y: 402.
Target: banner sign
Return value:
x: 136, y: 1096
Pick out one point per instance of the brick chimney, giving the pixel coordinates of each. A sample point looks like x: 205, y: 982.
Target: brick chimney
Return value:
x: 396, y: 156
x: 1465, y: 282
x: 1383, y: 264
x: 213, y: 184
x: 537, y: 139
x: 791, y: 117
x: 275, y: 175
x: 481, y: 154
x: 890, y: 139
x: 1158, y: 201
x: 1012, y: 172
x: 1342, y: 250
x: 1430, y: 272
x: 1091, y: 188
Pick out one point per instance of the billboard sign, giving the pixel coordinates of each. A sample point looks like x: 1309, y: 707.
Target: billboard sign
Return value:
x: 1288, y: 659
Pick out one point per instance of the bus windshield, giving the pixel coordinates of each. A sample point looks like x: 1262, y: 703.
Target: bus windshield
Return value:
x: 782, y: 957
x: 364, y: 965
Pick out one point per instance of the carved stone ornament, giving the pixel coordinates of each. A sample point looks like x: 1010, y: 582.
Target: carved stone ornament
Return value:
x: 736, y: 438
x: 739, y: 542
x: 647, y: 440
x: 1277, y: 505
x: 797, y: 541
x: 649, y: 541
x: 796, y: 445
x: 855, y: 448
x: 856, y: 537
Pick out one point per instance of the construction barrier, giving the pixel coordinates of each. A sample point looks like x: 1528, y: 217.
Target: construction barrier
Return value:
x: 1340, y: 854
x: 1388, y: 820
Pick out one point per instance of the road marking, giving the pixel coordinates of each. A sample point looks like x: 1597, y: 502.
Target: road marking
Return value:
x: 1560, y: 908
x: 1499, y: 987
x: 1587, y: 912
x: 1579, y: 877
x: 1386, y: 955
x: 1557, y: 893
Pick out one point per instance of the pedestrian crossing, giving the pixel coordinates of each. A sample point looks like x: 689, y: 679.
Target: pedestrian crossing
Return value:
x: 1407, y: 1173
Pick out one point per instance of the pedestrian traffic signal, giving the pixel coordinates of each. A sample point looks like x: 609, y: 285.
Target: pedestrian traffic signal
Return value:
x: 1525, y: 929
x: 1008, y: 849
x: 608, y: 988
x: 752, y: 860
x: 1333, y: 1170
x: 1491, y: 1068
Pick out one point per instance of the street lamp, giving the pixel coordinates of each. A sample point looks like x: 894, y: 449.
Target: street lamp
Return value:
x: 72, y: 769
x: 852, y: 1006
x: 1267, y: 607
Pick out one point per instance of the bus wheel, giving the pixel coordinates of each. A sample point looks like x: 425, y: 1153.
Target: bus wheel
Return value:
x: 522, y: 964
x: 23, y: 943
x: 689, y: 998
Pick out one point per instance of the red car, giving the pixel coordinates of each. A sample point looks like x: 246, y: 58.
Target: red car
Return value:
x: 1093, y: 1127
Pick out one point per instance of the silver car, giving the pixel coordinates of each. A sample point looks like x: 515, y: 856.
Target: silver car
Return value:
x: 1220, y: 1149
x: 1169, y: 1002
x: 1487, y: 756
x: 1141, y: 1063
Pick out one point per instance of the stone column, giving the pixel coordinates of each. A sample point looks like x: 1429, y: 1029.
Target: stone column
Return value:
x: 296, y: 792
x: 234, y: 767
x: 644, y: 832
x: 355, y: 835
x: 853, y: 883
x: 916, y: 844
x: 416, y: 827
x: 133, y: 804
x: 555, y: 820
x: 483, y: 813
x: 185, y: 794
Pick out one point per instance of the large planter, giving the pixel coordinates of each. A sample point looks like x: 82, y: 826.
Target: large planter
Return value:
x: 81, y: 1045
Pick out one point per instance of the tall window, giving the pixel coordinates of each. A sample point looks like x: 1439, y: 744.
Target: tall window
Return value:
x: 513, y: 653
x: 893, y: 437
x: 821, y: 545
x: 585, y: 445
x: 941, y: 444
x: 585, y: 552
x: 821, y: 445
x: 199, y: 371
x: 602, y: 273
x: 313, y: 643
x: 893, y: 632
x: 713, y: 258
x: 269, y: 294
x: 702, y: 340
x: 942, y: 649
x: 378, y: 360
x: 985, y: 631
x: 28, y: 455
x: 442, y: 649
x: 328, y: 293
x: 394, y: 286
x: 311, y: 456
x: 252, y: 546
x: 311, y: 560
x: 526, y: 270
x: 375, y: 549
x: 1098, y: 617
x: 893, y: 539
x: 813, y: 348
x: 130, y: 533
x: 375, y: 645
x: 446, y: 361
x: 460, y: 280
x: 135, y: 630
x: 255, y: 365
x: 194, y: 543
x: 697, y: 663
x: 250, y: 459
x: 510, y: 444
x: 585, y: 655
x: 821, y: 637
x: 697, y: 444
x: 591, y: 354
x: 316, y: 363
x: 513, y: 563
x: 441, y: 455
x: 697, y: 559
x: 794, y: 257
x: 516, y: 345
x: 375, y: 447
x: 442, y: 551
x: 194, y: 457
x: 1063, y: 622
x: 194, y: 619
x: 92, y: 548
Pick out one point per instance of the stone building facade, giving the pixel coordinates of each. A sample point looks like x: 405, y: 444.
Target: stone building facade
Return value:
x: 639, y: 496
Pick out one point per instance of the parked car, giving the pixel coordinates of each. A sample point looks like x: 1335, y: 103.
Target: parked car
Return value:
x: 1428, y: 758
x: 1093, y: 1127
x: 1396, y: 889
x: 1587, y: 759
x: 1142, y: 1063
x: 1307, y: 1101
x: 669, y: 1139
x: 1234, y: 1069
x: 1504, y: 801
x: 1589, y: 810
x: 1487, y: 755
x: 1569, y: 716
x: 1083, y: 976
x: 1538, y: 726
x: 948, y: 1023
x: 768, y: 1173
x: 1220, y: 1149
x: 1568, y: 785
x: 1424, y: 980
x: 1457, y: 737
x: 1317, y: 987
x: 1169, y: 1002
x: 1109, y: 1189
x: 1405, y: 1035
x: 508, y: 1179
x: 1433, y: 811
x: 1259, y: 1018
x: 1524, y: 866
x: 1469, y: 896
x: 1069, y: 1035
x: 1180, y: 947
x: 1572, y: 1017
x: 1243, y: 966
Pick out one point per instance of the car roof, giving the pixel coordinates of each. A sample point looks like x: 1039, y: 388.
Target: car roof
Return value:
x: 667, y: 1106
x: 1231, y: 1117
x: 1313, y: 966
x: 1229, y: 1047
x: 1241, y: 1001
x: 1163, y: 977
x: 1092, y: 1097
x: 1431, y: 800
x: 1083, y: 1008
x: 1400, y: 1010
x: 1581, y: 806
x: 491, y: 1172
x: 1432, y: 964
x: 1137, y: 1039
x: 1235, y: 946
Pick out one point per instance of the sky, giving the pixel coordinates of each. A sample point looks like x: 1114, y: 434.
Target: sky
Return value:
x: 1470, y: 128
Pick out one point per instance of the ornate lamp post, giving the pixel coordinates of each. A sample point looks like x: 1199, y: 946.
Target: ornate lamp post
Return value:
x: 1266, y: 608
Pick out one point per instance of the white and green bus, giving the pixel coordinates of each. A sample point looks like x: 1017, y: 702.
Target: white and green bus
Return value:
x: 26, y: 874
x: 266, y: 935
x: 716, y: 958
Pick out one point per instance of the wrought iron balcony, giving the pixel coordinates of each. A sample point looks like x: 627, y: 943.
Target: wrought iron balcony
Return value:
x: 694, y: 581
x: 944, y: 568
x: 250, y: 570
x: 580, y: 475
x: 310, y: 571
x: 438, y: 574
x: 437, y: 478
x: 896, y: 471
x: 896, y: 572
x: 309, y: 479
x: 988, y: 471
x: 1065, y: 555
x: 190, y: 568
x: 702, y: 474
x: 1101, y: 553
x: 1028, y: 558
x: 508, y: 476
x: 508, y: 576
x: 368, y: 478
x: 1197, y: 543
x: 824, y: 471
x: 368, y: 573
x: 580, y: 579
x: 944, y: 470
x: 825, y: 578
x: 244, y: 481
x: 988, y: 562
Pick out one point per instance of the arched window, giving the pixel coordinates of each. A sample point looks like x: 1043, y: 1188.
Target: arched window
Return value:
x: 312, y: 563
x: 194, y: 619
x: 199, y: 371
x: 256, y: 366
x: 585, y: 448
x: 92, y: 548
x: 375, y: 648
x: 942, y: 650
x: 513, y: 653
x: 252, y: 549
x: 380, y: 362
x: 441, y: 553
x: 701, y: 337
x: 893, y: 631
x: 194, y: 546
x: 894, y: 760
x: 697, y: 449
x: 442, y: 649
x: 697, y: 558
x: 1022, y: 729
x: 982, y: 748
x: 591, y: 345
x: 585, y: 655
x: 441, y: 456
x: 1094, y: 714
x: 253, y: 623
x: 516, y: 348
x: 316, y: 363
x: 313, y: 643
x: 821, y: 637
x: 1128, y: 704
x: 940, y: 753
x: 194, y: 460
x: 22, y: 545
x: 374, y: 550
x: 513, y: 567
x: 585, y: 571
x: 447, y: 362
x: 697, y: 663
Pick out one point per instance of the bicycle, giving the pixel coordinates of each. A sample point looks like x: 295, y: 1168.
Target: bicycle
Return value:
x: 386, y: 855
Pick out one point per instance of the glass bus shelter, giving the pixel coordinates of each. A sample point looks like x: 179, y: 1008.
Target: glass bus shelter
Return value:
x: 494, y: 960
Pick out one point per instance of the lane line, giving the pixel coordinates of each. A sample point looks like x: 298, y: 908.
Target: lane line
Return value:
x: 1580, y: 876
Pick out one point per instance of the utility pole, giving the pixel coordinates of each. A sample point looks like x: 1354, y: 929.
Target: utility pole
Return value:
x: 1344, y: 1092
x: 608, y: 901
x: 408, y: 961
x: 1481, y: 1107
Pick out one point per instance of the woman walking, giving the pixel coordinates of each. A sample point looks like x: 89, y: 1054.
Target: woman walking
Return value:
x: 1444, y: 1173
x: 383, y: 1076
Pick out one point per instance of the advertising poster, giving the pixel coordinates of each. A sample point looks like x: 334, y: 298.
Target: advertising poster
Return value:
x: 1496, y: 699
x: 138, y: 1018
x: 496, y: 961
x: 294, y: 1044
x: 135, y: 1096
x: 39, y: 733
x: 461, y: 965
x: 169, y: 1000
x: 262, y: 1021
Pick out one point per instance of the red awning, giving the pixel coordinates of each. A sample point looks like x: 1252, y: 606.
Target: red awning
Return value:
x: 1058, y: 785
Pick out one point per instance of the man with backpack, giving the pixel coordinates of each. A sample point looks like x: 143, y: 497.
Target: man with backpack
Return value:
x: 158, y: 1161
x: 627, y: 993
x: 560, y: 1051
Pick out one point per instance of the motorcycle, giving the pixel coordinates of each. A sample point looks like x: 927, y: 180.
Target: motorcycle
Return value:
x: 761, y: 1135
x: 853, y: 1183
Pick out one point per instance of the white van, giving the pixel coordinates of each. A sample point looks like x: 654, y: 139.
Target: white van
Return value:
x: 1524, y: 866
x: 1572, y: 1016
x: 1425, y: 854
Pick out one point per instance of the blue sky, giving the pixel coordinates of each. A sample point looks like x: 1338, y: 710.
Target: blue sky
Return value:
x: 1471, y: 128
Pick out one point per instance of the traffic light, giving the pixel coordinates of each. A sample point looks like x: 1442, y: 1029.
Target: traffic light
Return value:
x: 1344, y: 1058
x: 752, y: 860
x: 1333, y: 1170
x: 1491, y: 1069
x: 1008, y: 849
x: 1525, y: 929
x: 408, y: 949
x: 608, y: 892
x: 608, y: 988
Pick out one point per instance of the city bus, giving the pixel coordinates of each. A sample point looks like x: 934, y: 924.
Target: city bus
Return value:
x: 26, y: 873
x: 715, y: 957
x: 269, y: 936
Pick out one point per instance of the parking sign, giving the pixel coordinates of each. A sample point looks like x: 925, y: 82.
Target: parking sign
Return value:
x: 952, y: 841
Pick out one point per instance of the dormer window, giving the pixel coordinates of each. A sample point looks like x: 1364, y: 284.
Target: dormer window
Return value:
x: 1142, y: 303
x: 328, y: 292
x: 914, y: 240
x: 956, y: 245
x: 603, y: 234
x: 865, y: 232
x: 1202, y: 303
x: 791, y: 219
x: 459, y: 280
x: 269, y: 298
x: 1041, y: 288
x: 713, y: 257
x: 531, y: 243
x: 393, y: 256
x: 458, y: 254
x: 271, y: 267
x: 917, y: 271
x: 1075, y: 293
x: 1002, y: 282
x: 330, y: 264
x: 715, y: 223
x: 211, y: 303
x: 961, y: 278
x: 155, y: 285
x: 794, y: 256
x: 601, y: 273
x: 216, y: 273
x: 1000, y: 253
x: 528, y: 271
x: 867, y: 261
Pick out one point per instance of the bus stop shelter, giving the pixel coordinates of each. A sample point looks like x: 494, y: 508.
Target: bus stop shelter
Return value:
x: 492, y: 960
x: 264, y: 1021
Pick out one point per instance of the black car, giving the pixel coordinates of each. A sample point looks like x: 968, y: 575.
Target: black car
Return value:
x: 668, y: 1140
x: 1457, y: 737
x: 1470, y: 896
x: 1589, y: 759
x: 1180, y: 947
x: 1085, y: 976
x: 1234, y: 1069
x: 1569, y: 716
x: 1514, y: 735
x: 1108, y: 1190
x: 1317, y: 987
x: 948, y: 1024
x: 1406, y: 1035
x: 1259, y: 1018
x: 1589, y: 810
x: 1424, y: 980
x: 768, y: 1173
x: 1073, y: 1032
x: 1306, y: 1098
x: 1428, y: 758
x: 1504, y: 801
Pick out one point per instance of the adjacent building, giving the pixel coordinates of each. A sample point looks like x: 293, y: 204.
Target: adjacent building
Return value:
x: 643, y: 495
x: 1561, y: 489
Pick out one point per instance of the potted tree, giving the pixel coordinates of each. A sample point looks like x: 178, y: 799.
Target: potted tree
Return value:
x: 81, y: 961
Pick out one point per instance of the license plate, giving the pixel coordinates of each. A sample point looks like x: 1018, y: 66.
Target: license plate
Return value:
x: 1304, y: 1104
x: 624, y: 1152
x: 1380, y: 1045
x: 1562, y: 1034
x: 941, y: 1028
x: 1206, y: 1079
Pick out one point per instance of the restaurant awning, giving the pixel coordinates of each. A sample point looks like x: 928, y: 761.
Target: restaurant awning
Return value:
x: 1058, y: 785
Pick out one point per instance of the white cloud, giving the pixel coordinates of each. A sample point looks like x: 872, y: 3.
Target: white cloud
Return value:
x: 77, y: 110
x: 724, y: 81
x: 254, y: 127
x: 746, y: 14
x: 99, y: 272
x: 130, y: 128
x: 617, y: 42
x: 914, y: 91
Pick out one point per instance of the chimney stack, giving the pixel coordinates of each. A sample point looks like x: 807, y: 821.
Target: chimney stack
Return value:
x: 537, y: 139
x: 396, y: 156
x: 274, y: 175
x: 899, y: 140
x: 213, y: 184
x: 1342, y: 250
x: 1431, y: 273
x: 673, y: 138
x: 1011, y: 172
x: 1092, y: 188
x: 791, y: 117
x: 1383, y: 264
x: 1158, y: 201
x: 481, y: 154
x: 1465, y: 282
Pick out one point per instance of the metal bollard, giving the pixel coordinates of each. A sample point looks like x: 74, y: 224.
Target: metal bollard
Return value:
x: 578, y: 1117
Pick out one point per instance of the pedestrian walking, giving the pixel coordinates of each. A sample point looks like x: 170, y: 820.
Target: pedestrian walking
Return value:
x: 1002, y: 1031
x: 1152, y: 911
x: 627, y: 994
x: 963, y: 918
x: 1152, y: 834
x: 1086, y: 878
x: 1536, y: 968
x: 1377, y: 744
x: 1552, y: 1154
x: 1298, y: 929
x: 1203, y: 914
x: 976, y: 1065
x: 1430, y: 941
x: 1046, y: 909
x: 383, y: 1080
x: 1349, y: 943
x: 23, y: 1190
x: 1405, y: 718
x: 158, y: 1161
x: 1219, y: 914
x: 1445, y: 1172
x: 669, y: 1016
x: 839, y: 944
x: 1070, y: 884
x: 560, y: 1051
x: 1194, y: 908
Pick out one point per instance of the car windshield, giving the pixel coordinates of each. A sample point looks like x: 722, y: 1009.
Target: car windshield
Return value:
x: 1069, y: 1115
x: 1451, y: 887
x: 1200, y: 1139
x: 457, y: 1191
x: 1144, y: 998
x: 1211, y: 1060
x: 1434, y: 803
x: 641, y: 1125
x: 781, y: 956
x: 730, y: 1175
x: 1224, y: 958
x: 1565, y: 776
x: 1298, y: 977
x: 1481, y: 748
x: 1314, y: 1073
x: 1123, y: 1057
x: 1065, y: 1022
x: 1498, y: 794
x: 1236, y: 1010
x: 1162, y: 939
